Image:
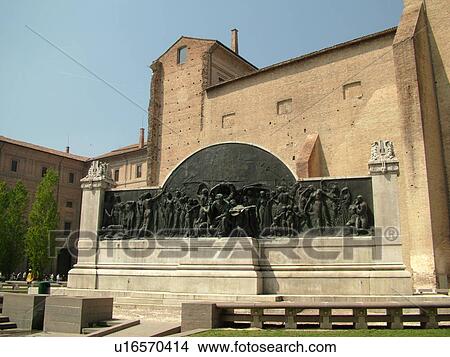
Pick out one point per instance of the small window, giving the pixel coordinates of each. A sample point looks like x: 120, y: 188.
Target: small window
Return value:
x: 138, y: 170
x: 71, y: 177
x: 67, y: 228
x: 14, y: 165
x: 284, y: 106
x: 352, y: 90
x: 182, y: 55
x: 228, y: 120
x: 69, y: 204
x: 116, y: 175
x: 43, y: 171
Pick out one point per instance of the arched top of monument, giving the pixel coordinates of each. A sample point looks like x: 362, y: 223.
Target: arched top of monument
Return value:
x: 238, y: 163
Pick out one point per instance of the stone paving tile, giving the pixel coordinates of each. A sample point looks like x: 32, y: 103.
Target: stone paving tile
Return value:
x: 150, y: 313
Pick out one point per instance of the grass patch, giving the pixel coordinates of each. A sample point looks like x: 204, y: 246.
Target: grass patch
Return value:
x: 410, y: 332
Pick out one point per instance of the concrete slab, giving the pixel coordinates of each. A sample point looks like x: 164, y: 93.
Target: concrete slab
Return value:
x: 27, y: 311
x: 65, y: 314
x: 146, y: 328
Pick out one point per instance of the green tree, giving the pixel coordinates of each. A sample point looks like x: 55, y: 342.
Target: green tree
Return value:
x: 13, y: 225
x: 42, y: 220
x: 4, y: 198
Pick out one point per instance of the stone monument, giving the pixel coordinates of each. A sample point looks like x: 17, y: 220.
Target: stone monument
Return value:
x: 233, y: 219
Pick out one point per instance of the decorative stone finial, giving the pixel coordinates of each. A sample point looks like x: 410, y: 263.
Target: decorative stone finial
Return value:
x: 97, y: 173
x: 382, y: 158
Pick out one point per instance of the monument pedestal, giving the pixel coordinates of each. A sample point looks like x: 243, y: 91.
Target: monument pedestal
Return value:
x: 248, y: 266
x: 357, y: 265
x: 177, y: 265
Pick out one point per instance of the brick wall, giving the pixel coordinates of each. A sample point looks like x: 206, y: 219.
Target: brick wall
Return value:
x: 315, y: 86
x: 176, y: 110
x: 381, y: 87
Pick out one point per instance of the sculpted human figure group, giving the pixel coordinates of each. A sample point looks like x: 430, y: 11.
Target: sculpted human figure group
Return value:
x: 223, y: 210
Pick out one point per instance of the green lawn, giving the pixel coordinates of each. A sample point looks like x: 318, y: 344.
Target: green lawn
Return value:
x: 412, y: 332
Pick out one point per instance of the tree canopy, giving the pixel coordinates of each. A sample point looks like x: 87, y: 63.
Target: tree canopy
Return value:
x: 13, y: 225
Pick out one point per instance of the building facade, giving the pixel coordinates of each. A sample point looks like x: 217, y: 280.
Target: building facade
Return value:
x: 320, y: 112
x: 128, y: 164
x: 29, y: 163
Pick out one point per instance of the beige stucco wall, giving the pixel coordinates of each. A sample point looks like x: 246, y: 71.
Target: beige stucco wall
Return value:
x: 346, y: 126
x: 438, y: 20
x: 438, y: 31
x: 127, y: 166
x: 426, y: 208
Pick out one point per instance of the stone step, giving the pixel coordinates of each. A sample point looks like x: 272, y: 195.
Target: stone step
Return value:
x: 166, y: 296
x: 88, y: 330
x: 7, y: 325
x: 114, y: 322
x: 138, y: 301
x: 101, y: 325
x: 4, y: 318
x: 175, y: 300
x: 145, y: 302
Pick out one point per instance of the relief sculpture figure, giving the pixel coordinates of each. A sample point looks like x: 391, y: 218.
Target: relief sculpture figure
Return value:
x: 253, y: 210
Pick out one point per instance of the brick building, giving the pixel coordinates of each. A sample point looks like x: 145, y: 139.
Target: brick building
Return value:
x: 28, y: 163
x: 320, y: 113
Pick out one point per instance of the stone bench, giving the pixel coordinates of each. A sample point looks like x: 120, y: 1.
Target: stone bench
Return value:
x: 27, y: 311
x: 14, y: 285
x: 393, y: 314
x: 69, y: 314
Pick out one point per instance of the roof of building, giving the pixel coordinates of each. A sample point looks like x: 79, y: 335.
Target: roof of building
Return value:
x: 123, y: 150
x: 213, y: 41
x: 43, y: 149
x: 356, y: 41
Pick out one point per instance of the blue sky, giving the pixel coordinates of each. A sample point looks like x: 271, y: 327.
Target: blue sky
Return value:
x: 47, y: 99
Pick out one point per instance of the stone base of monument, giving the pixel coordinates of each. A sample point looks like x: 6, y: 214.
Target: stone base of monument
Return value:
x: 362, y: 265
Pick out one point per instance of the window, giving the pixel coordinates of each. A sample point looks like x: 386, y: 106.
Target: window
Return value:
x: 228, y: 120
x: 352, y: 90
x: 138, y: 170
x: 284, y: 106
x: 69, y: 204
x: 67, y: 228
x: 43, y: 171
x: 182, y: 54
x: 14, y: 164
x: 71, y: 177
x: 116, y: 175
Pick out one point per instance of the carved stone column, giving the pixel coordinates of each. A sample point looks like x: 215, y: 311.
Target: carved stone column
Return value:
x: 384, y: 169
x: 93, y: 186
